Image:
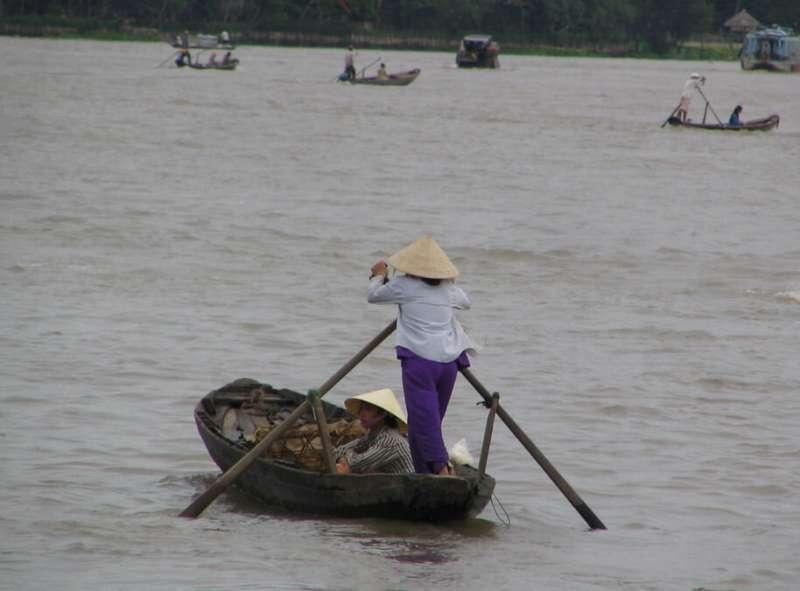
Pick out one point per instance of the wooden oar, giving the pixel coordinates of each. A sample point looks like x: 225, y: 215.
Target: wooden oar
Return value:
x: 169, y: 58
x: 221, y: 483
x: 581, y: 507
x: 675, y: 110
x: 708, y: 104
x: 369, y: 65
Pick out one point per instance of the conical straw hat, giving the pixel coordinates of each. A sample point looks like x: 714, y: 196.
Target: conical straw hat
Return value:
x: 384, y: 399
x: 424, y: 258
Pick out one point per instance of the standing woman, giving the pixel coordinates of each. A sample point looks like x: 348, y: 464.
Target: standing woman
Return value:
x: 431, y: 344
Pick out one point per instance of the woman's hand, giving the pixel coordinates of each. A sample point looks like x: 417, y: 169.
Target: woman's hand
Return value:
x: 380, y: 268
x: 343, y: 468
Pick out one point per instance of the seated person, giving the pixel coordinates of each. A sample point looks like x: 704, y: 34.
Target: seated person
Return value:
x: 212, y: 59
x: 183, y: 58
x: 227, y: 59
x: 734, y: 118
x: 384, y: 448
x: 382, y: 75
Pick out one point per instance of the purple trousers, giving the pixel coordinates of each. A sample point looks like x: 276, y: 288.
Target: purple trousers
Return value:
x: 427, y: 386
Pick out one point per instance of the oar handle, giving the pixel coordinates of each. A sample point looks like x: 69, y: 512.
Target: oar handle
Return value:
x: 580, y: 506
x: 221, y: 483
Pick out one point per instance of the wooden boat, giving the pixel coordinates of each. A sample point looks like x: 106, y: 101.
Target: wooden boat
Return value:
x: 231, y: 65
x: 776, y: 49
x: 478, y: 51
x: 764, y: 124
x: 291, y: 473
x: 398, y: 79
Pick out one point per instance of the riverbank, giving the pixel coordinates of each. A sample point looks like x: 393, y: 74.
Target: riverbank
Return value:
x: 62, y: 28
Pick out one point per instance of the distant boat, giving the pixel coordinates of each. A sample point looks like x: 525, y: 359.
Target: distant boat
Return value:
x: 764, y: 124
x: 201, y: 41
x: 291, y: 474
x: 185, y: 59
x: 231, y: 65
x: 478, y: 51
x: 776, y: 49
x: 397, y: 79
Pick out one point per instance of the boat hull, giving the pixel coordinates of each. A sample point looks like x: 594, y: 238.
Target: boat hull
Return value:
x: 397, y: 496
x: 769, y: 65
x: 398, y: 79
x: 488, y: 61
x: 227, y: 67
x: 764, y: 124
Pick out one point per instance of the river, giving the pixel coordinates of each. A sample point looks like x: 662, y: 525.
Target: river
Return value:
x: 636, y: 297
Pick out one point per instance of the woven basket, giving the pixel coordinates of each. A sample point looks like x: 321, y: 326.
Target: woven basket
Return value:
x: 303, y: 445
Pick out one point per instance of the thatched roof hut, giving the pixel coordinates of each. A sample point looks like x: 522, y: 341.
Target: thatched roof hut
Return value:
x: 742, y: 23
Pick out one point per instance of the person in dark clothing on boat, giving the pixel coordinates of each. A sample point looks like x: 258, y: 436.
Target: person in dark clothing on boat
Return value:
x: 734, y: 119
x: 431, y: 344
x: 184, y: 58
x: 349, y: 63
x: 384, y: 448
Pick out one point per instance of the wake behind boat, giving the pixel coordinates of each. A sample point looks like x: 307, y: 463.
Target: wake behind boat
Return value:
x: 291, y: 473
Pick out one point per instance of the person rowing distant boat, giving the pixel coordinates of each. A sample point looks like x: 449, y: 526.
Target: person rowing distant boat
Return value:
x: 184, y: 58
x: 694, y: 82
x: 349, y: 63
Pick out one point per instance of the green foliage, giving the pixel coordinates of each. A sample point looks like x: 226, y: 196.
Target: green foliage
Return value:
x: 660, y: 27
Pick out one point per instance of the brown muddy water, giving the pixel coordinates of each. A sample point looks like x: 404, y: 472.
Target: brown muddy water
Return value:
x: 636, y: 297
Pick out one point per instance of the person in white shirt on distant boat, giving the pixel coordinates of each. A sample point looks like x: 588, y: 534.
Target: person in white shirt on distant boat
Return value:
x: 694, y: 82
x: 349, y: 63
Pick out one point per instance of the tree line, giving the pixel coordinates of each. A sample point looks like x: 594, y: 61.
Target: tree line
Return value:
x: 654, y: 25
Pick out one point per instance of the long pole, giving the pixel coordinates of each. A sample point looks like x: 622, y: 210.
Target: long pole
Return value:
x: 169, y: 58
x: 708, y: 104
x: 220, y: 484
x: 324, y: 434
x: 581, y: 507
x: 487, y: 435
x: 671, y: 115
x: 369, y: 65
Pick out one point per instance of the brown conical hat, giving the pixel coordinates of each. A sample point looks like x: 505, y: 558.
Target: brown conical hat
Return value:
x: 383, y: 399
x: 424, y: 258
